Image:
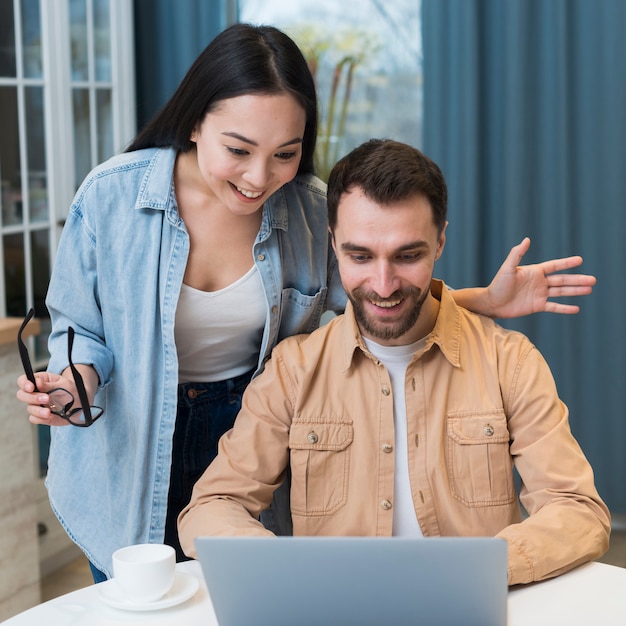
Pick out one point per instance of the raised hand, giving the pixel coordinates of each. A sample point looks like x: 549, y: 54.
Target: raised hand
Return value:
x: 518, y: 290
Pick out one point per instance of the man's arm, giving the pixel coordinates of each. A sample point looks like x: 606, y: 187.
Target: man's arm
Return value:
x: 249, y: 467
x: 517, y: 290
x: 567, y: 524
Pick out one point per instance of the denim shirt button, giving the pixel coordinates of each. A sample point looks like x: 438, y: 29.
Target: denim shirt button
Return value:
x: 260, y: 257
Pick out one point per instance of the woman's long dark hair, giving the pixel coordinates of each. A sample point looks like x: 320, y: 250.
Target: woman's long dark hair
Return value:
x: 243, y: 59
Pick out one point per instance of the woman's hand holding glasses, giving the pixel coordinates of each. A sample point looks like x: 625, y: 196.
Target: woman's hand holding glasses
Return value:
x: 38, y: 409
x: 57, y: 400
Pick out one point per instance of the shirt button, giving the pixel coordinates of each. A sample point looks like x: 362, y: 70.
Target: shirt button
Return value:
x: 312, y: 438
x: 274, y: 310
x: 488, y: 430
x: 387, y: 447
x: 386, y: 391
x: 260, y: 257
x: 385, y: 504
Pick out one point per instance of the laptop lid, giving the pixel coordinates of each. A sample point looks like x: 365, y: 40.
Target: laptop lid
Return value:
x: 346, y: 581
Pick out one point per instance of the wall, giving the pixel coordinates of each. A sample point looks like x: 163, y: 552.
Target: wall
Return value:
x: 19, y: 548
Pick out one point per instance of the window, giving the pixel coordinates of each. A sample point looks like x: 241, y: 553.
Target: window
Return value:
x: 66, y: 103
x: 375, y: 48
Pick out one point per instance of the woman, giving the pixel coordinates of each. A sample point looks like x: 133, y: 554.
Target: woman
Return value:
x: 182, y: 263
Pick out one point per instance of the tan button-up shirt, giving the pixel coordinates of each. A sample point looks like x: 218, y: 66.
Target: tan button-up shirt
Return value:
x: 479, y: 399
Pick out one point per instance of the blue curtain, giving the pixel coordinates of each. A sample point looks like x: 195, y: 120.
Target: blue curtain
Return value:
x: 168, y: 37
x: 525, y: 111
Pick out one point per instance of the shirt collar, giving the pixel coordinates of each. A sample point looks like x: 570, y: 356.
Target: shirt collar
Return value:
x: 446, y: 334
x: 275, y: 208
x: 157, y: 186
x: 157, y: 192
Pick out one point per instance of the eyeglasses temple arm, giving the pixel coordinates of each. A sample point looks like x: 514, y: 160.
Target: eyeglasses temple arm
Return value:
x: 78, y: 379
x: 21, y: 346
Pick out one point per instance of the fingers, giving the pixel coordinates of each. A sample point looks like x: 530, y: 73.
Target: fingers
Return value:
x: 561, y: 291
x: 38, y: 410
x: 37, y: 402
x: 565, y: 292
x: 52, y: 420
x: 32, y: 398
x: 25, y: 384
x: 37, y: 406
x: 571, y: 280
x: 563, y: 309
x: 558, y: 265
x: 516, y: 254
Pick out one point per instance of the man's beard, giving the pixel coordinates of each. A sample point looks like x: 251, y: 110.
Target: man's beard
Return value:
x: 379, y: 329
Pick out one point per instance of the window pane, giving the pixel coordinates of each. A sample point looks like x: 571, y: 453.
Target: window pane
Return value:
x: 10, y: 158
x: 14, y: 274
x: 7, y: 39
x: 31, y: 38
x: 105, y: 124
x: 373, y: 48
x: 78, y: 39
x: 40, y: 253
x: 102, y: 30
x: 82, y: 137
x: 37, y: 177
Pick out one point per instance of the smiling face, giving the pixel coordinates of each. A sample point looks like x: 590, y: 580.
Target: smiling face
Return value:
x: 248, y: 147
x: 386, y: 258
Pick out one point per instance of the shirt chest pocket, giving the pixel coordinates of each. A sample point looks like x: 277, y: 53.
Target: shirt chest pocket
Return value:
x: 300, y: 313
x: 480, y: 467
x: 320, y: 465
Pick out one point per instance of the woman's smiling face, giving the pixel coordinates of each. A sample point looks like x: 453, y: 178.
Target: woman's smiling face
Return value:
x: 248, y: 147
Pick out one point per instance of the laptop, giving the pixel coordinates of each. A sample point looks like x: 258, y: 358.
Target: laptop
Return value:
x: 356, y: 581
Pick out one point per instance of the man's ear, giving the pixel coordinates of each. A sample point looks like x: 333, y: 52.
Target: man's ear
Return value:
x: 442, y: 242
x: 332, y: 240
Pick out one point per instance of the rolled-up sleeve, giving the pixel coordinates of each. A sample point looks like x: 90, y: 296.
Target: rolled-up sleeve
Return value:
x: 249, y: 467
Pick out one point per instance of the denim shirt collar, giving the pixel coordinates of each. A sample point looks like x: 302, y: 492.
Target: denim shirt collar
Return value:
x: 157, y: 192
x: 157, y: 187
x: 275, y: 214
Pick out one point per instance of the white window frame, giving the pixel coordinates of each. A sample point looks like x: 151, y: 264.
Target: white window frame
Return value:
x: 58, y: 128
x: 57, y: 67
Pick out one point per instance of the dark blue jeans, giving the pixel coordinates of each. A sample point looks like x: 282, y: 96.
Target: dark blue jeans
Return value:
x: 98, y: 576
x: 205, y: 412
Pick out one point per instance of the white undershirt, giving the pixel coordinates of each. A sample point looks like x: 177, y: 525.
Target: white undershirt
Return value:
x: 218, y: 333
x: 396, y: 359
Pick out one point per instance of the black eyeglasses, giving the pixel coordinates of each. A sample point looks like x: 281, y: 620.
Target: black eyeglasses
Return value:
x: 61, y: 400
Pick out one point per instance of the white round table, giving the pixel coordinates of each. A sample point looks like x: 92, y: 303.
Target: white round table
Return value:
x: 594, y: 593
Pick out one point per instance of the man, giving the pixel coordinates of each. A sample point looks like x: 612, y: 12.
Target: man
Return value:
x: 405, y: 415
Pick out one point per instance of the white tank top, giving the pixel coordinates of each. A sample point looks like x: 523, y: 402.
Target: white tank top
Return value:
x: 218, y: 333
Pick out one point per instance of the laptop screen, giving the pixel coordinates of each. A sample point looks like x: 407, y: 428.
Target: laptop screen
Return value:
x: 321, y: 581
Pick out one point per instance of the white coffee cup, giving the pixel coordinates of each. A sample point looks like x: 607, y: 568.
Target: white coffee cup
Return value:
x: 144, y: 572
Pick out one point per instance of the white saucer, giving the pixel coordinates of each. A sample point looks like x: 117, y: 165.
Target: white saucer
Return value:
x: 184, y: 587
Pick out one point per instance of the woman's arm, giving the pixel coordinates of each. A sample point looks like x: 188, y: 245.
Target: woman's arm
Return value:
x: 518, y: 290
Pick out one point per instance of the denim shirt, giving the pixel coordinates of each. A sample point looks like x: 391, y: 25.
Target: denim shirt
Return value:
x: 116, y: 280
